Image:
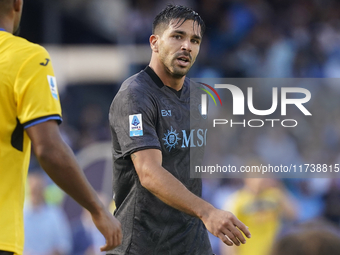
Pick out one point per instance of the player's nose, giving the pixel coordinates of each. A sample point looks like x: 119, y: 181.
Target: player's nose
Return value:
x: 186, y: 45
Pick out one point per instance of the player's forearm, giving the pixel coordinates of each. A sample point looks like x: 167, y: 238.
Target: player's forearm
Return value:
x: 58, y: 160
x: 288, y: 206
x: 59, y: 163
x: 171, y: 191
x: 61, y: 166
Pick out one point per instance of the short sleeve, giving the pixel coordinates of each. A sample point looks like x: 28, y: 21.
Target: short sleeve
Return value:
x: 133, y: 119
x: 36, y: 92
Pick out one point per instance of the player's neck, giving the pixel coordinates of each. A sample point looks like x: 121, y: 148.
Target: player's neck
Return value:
x: 6, y: 24
x: 166, y: 77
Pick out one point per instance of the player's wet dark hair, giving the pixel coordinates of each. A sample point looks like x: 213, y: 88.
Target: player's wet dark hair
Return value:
x: 174, y: 12
x: 5, y: 6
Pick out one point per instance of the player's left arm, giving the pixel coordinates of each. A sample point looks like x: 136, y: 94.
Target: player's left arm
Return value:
x: 38, y: 110
x: 160, y: 182
x: 288, y: 205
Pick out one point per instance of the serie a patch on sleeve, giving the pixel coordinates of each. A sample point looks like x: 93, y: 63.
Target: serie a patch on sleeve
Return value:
x: 136, y: 125
x: 52, y: 81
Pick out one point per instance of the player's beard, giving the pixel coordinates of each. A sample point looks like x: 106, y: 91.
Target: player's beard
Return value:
x: 178, y: 71
x: 172, y: 66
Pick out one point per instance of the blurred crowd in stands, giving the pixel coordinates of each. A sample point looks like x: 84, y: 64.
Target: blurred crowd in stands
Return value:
x: 243, y: 39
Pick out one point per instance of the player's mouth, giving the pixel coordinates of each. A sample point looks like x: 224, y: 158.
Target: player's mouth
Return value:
x: 183, y: 61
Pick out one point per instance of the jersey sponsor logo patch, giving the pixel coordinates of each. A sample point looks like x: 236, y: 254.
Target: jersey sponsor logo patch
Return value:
x: 136, y: 125
x: 190, y: 138
x: 52, y: 81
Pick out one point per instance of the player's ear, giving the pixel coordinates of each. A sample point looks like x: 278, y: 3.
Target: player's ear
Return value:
x: 17, y: 5
x: 154, y: 43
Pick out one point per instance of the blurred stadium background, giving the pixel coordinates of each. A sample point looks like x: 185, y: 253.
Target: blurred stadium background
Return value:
x: 96, y: 44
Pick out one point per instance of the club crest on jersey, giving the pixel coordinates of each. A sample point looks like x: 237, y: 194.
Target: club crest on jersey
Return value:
x: 136, y: 125
x: 53, y: 86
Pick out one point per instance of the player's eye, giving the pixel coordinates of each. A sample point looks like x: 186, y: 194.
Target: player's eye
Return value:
x: 178, y: 36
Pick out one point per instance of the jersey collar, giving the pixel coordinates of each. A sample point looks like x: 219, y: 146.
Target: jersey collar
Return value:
x: 159, y: 82
x: 154, y: 76
x: 1, y: 29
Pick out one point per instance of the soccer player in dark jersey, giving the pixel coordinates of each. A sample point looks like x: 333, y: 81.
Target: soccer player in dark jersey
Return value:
x: 158, y: 204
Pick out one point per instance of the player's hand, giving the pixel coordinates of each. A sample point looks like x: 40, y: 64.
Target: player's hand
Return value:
x: 110, y: 227
x: 226, y: 226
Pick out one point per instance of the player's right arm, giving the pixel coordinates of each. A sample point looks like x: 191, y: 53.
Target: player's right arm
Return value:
x: 38, y: 111
x: 161, y: 183
x: 58, y: 161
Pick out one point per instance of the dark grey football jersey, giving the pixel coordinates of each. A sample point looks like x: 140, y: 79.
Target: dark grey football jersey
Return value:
x: 146, y: 114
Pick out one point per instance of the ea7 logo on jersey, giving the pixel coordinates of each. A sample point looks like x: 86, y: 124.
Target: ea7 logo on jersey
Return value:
x: 166, y: 113
x: 136, y: 125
